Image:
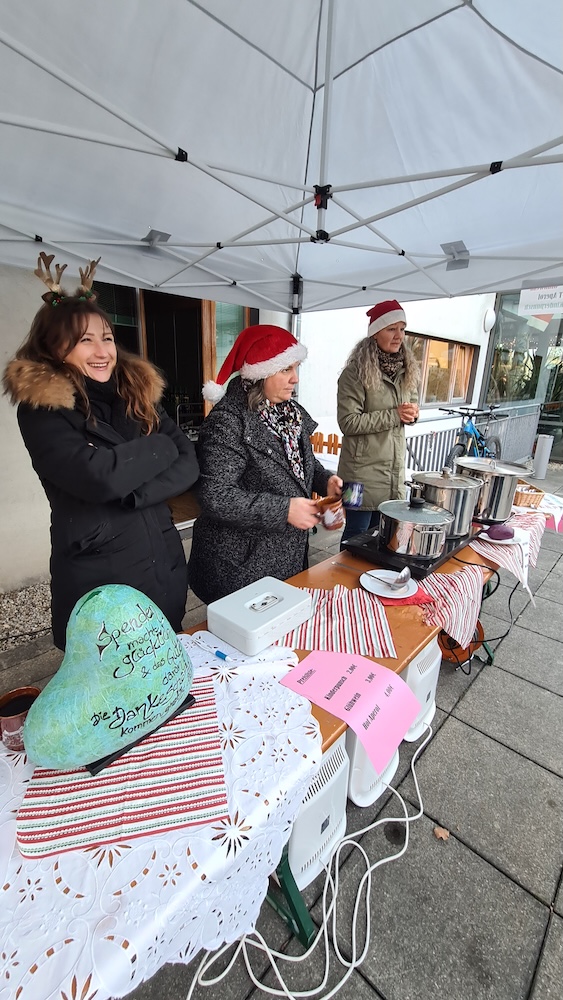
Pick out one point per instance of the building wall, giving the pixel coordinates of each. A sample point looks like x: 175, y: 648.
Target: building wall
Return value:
x: 24, y: 521
x: 330, y: 336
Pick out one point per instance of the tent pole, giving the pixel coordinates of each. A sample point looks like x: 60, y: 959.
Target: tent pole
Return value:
x: 512, y: 278
x: 260, y: 177
x: 103, y: 140
x: 72, y: 253
x: 410, y: 204
x: 477, y: 168
x: 326, y: 120
x: 257, y: 201
x: 225, y: 281
x: 63, y: 77
x: 399, y: 250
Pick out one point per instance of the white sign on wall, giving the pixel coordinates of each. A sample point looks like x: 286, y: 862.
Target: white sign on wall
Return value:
x: 538, y: 301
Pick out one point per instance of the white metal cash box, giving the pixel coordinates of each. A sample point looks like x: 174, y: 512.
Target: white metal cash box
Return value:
x: 256, y: 616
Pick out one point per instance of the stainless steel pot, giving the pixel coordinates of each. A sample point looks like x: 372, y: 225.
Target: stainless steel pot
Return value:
x: 414, y: 528
x: 458, y: 494
x: 496, y: 495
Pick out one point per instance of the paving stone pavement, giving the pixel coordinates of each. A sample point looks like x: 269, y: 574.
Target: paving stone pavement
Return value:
x: 473, y: 917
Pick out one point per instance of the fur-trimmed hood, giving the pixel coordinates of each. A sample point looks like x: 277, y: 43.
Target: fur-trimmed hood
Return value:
x: 38, y: 383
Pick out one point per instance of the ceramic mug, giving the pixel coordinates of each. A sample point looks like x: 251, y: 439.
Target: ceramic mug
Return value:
x: 353, y: 495
x: 14, y: 707
x: 332, y: 514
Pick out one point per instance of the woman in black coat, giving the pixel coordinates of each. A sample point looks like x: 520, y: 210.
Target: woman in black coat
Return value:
x: 107, y: 455
x: 257, y: 469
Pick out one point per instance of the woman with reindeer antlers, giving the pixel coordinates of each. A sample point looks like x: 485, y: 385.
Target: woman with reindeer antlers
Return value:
x: 107, y: 454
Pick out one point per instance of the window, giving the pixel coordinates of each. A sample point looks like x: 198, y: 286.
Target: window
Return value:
x: 526, y: 354
x: 445, y: 368
x: 229, y: 321
x: 120, y: 303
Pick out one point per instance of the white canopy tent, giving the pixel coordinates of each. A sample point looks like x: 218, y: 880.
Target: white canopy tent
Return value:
x: 187, y: 143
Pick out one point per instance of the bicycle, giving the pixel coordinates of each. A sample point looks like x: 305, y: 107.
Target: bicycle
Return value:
x: 472, y: 441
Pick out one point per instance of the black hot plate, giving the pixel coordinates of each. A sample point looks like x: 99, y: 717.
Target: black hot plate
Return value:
x: 367, y: 546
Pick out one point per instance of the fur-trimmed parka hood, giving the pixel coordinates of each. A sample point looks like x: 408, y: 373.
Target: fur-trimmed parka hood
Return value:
x: 38, y: 383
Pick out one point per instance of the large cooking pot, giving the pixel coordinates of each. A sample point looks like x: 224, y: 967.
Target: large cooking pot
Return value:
x: 457, y: 494
x: 414, y: 528
x: 496, y: 495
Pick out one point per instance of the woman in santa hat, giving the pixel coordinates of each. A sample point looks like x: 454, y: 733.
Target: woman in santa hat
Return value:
x: 257, y: 469
x: 377, y: 396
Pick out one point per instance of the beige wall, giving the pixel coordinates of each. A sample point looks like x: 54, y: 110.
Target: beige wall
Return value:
x: 24, y: 520
x: 330, y: 336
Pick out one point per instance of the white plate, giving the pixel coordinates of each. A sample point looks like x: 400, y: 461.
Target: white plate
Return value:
x: 381, y: 589
x: 519, y: 536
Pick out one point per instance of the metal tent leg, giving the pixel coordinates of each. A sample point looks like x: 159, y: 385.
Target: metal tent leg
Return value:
x: 289, y: 904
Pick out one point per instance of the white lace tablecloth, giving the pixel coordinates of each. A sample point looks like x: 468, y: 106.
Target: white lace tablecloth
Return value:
x: 96, y: 922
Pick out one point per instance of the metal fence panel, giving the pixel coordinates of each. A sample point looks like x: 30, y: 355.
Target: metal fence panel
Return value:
x: 517, y: 433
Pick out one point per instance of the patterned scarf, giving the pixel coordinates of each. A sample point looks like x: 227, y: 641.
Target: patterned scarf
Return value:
x: 391, y: 364
x: 285, y: 421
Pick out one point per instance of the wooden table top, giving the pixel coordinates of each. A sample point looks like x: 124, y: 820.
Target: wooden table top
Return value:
x: 406, y: 621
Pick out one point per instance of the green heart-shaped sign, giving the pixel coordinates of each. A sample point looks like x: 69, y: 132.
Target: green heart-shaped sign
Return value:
x: 123, y: 674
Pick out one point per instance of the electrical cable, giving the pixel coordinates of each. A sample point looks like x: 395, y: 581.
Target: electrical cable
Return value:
x: 496, y: 638
x: 329, y: 914
x: 499, y: 638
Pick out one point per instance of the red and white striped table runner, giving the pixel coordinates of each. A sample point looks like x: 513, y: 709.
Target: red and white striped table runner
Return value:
x: 174, y: 778
x: 344, y: 621
x: 516, y: 558
x: 457, y: 601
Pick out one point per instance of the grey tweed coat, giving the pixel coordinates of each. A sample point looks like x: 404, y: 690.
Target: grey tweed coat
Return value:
x: 245, y: 487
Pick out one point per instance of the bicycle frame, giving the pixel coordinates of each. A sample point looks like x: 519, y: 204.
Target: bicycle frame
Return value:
x: 474, y: 441
x: 470, y: 440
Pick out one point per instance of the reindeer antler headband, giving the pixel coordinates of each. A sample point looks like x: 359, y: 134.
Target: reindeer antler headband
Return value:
x: 55, y: 293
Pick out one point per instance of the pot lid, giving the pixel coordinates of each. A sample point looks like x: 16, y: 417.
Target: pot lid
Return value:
x: 494, y: 466
x: 446, y: 479
x: 417, y: 511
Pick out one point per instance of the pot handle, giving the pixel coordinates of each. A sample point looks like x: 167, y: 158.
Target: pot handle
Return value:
x: 416, y: 491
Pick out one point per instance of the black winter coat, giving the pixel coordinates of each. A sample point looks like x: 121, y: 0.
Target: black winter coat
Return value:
x: 245, y: 487
x: 109, y: 519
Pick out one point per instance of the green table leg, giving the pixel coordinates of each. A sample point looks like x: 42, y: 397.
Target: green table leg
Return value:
x: 288, y: 902
x: 490, y: 652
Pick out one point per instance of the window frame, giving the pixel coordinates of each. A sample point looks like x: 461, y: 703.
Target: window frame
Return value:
x: 458, y: 348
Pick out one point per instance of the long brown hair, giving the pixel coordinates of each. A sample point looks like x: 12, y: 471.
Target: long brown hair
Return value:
x: 56, y: 329
x: 364, y: 359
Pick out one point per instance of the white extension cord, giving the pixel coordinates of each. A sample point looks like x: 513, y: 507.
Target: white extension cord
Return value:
x: 257, y: 942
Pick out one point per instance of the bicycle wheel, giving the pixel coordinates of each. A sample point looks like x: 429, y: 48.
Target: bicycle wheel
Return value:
x: 457, y: 451
x: 493, y: 446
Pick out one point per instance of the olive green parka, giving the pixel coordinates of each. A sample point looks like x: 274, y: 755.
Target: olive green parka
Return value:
x: 373, y: 444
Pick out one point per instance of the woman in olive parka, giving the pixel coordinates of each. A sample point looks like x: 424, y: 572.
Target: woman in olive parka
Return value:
x: 377, y: 396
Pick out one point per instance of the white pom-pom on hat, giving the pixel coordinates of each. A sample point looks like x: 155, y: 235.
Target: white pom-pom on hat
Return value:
x: 258, y: 351
x: 213, y: 392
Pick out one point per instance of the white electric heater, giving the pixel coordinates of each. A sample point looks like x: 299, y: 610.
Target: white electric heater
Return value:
x: 421, y: 676
x: 365, y: 785
x: 321, y: 820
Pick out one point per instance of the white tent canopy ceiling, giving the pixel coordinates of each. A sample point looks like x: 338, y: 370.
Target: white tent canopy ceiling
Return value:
x: 282, y: 153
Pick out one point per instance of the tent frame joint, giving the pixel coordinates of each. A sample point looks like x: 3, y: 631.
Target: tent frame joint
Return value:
x: 322, y: 194
x: 321, y: 236
x: 495, y: 167
x: 181, y: 155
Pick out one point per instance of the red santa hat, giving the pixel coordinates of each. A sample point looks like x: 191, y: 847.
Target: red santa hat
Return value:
x: 257, y: 352
x: 384, y: 314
